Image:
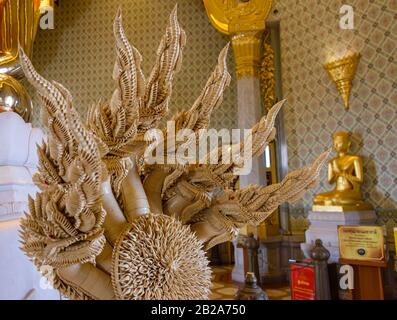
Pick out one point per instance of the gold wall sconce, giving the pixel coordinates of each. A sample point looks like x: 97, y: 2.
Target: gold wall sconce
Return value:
x: 342, y: 73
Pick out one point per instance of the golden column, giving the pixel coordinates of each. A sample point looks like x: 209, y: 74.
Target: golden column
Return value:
x: 19, y: 20
x: 244, y: 21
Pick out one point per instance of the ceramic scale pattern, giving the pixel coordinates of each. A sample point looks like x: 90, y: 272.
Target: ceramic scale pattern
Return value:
x: 79, y: 52
x: 310, y: 36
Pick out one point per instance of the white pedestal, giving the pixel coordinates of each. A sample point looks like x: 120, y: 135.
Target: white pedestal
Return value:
x: 19, y: 278
x: 324, y: 226
x: 15, y: 186
x: 238, y: 273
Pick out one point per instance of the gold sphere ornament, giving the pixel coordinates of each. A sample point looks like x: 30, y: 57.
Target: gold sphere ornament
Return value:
x: 19, y: 22
x: 14, y: 98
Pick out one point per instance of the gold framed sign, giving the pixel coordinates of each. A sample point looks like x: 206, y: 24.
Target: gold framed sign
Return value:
x: 364, y: 244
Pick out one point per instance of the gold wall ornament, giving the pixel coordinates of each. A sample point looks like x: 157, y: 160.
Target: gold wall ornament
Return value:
x: 342, y: 73
x: 244, y: 22
x: 267, y: 77
x: 13, y: 97
x: 347, y: 172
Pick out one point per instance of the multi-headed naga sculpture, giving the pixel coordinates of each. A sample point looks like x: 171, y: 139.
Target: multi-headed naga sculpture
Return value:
x: 109, y: 225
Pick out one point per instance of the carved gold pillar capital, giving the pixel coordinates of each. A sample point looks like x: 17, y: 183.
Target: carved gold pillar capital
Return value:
x: 46, y: 3
x: 247, y: 53
x: 244, y: 21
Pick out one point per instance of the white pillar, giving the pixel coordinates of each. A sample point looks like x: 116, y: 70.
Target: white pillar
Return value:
x: 249, y: 113
x: 19, y: 278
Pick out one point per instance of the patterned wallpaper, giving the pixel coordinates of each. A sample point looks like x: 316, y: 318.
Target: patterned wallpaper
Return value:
x: 79, y: 52
x: 310, y: 36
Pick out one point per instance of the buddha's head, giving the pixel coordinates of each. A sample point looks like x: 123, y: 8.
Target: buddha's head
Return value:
x: 342, y: 141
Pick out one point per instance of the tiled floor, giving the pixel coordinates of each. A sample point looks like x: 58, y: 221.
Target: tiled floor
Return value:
x: 223, y: 288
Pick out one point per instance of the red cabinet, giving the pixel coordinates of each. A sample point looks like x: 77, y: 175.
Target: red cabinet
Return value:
x: 302, y: 280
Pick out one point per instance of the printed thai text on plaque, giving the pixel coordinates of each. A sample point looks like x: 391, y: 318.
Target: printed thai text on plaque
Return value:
x: 364, y: 243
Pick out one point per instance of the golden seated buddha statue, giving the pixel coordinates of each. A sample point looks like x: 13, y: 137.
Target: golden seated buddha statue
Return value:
x: 346, y: 171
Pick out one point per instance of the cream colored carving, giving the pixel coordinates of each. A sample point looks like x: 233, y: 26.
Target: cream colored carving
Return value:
x: 111, y: 226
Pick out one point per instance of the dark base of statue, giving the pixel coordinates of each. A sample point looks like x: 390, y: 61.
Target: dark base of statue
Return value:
x: 250, y: 290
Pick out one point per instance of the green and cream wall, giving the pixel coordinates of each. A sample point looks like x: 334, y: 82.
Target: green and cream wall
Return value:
x: 79, y: 52
x: 310, y: 36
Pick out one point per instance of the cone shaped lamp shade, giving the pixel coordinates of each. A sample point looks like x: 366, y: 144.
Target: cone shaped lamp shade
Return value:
x: 342, y: 73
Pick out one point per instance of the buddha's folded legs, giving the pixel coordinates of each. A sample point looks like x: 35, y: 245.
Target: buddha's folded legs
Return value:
x: 338, y: 198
